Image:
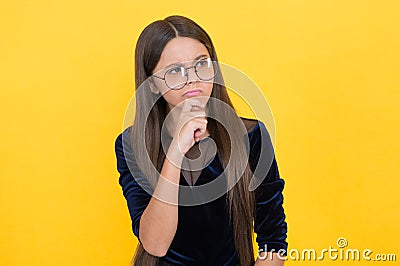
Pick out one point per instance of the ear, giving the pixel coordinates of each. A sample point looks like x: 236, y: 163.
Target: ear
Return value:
x: 153, y: 87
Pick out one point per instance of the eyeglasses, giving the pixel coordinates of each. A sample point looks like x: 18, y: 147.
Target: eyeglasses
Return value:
x: 177, y: 77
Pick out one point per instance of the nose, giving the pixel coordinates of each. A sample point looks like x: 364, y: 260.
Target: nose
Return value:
x: 192, y: 76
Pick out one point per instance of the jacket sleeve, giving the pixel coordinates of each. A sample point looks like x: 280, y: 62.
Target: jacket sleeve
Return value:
x: 131, y: 180
x: 269, y: 218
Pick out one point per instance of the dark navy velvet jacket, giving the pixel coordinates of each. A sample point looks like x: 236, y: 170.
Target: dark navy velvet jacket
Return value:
x: 204, y: 235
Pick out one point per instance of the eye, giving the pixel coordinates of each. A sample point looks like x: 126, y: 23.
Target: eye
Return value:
x: 176, y: 71
x: 203, y: 62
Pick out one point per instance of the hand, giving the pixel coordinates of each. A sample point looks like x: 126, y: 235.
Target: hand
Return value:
x: 191, y: 124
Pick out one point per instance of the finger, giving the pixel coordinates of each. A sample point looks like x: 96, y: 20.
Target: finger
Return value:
x: 200, y: 122
x: 190, y: 103
x: 197, y: 114
x: 194, y: 123
x: 196, y: 117
x: 198, y: 133
x: 197, y: 108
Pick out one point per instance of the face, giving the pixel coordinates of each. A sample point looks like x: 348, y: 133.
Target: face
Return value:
x: 186, y: 51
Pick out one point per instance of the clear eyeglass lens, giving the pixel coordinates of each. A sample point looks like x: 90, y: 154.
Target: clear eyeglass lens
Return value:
x: 175, y: 77
x: 205, y: 69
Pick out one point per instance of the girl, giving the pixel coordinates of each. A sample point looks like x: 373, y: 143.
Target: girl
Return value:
x: 183, y: 111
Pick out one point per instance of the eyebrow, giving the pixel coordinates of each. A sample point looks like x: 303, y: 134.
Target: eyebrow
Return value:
x: 197, y: 58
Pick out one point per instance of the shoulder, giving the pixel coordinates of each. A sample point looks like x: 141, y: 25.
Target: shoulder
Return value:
x: 249, y: 123
x: 124, y: 135
x: 256, y: 129
x: 259, y: 139
x: 122, y: 143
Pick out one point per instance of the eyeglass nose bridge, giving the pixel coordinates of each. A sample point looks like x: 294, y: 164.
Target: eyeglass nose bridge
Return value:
x: 195, y: 75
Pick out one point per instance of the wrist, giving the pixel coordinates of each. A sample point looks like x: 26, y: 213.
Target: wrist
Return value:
x: 174, y: 154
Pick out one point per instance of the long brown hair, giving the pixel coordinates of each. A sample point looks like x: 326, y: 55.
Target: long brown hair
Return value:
x: 240, y: 200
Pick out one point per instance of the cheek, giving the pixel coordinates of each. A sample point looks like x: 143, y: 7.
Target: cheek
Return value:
x: 160, y: 85
x: 172, y: 97
x: 208, y: 87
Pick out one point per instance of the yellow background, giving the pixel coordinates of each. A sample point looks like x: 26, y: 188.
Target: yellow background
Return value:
x: 329, y: 69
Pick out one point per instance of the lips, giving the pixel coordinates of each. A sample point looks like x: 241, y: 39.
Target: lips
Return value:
x: 192, y: 92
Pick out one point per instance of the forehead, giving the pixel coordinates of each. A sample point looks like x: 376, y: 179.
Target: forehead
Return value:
x: 181, y: 49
